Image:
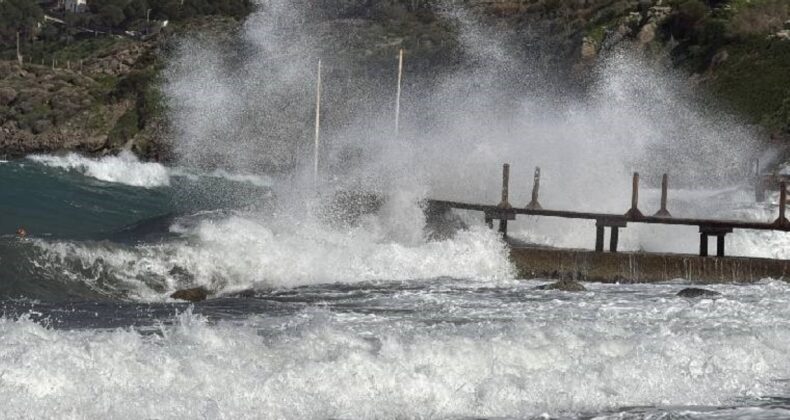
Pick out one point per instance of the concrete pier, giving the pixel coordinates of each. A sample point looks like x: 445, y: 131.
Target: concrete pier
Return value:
x: 631, y: 267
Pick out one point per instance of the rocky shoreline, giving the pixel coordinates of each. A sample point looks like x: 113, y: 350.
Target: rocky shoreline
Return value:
x: 111, y: 99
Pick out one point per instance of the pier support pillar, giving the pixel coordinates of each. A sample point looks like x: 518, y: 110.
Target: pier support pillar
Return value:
x: 615, y: 236
x: 719, y: 232
x: 720, y: 245
x: 599, y: 232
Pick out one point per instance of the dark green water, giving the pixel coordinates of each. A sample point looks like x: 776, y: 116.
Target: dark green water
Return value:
x: 70, y: 205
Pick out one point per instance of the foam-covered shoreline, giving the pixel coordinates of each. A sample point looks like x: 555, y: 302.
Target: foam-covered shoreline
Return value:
x: 613, y: 347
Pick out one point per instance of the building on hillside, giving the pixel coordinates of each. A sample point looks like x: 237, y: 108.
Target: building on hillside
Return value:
x: 76, y: 6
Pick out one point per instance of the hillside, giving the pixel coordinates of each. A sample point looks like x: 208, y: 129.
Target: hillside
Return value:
x: 100, y: 94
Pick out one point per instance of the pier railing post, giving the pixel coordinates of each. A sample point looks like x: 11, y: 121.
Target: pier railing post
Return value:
x: 663, y: 212
x: 634, y: 212
x: 534, y: 204
x: 782, y: 220
x: 505, y: 203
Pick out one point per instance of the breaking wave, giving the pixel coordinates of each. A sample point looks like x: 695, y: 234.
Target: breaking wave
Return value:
x: 124, y: 168
x: 127, y: 169
x: 240, y: 252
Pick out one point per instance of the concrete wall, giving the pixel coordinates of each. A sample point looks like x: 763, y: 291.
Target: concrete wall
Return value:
x: 642, y: 268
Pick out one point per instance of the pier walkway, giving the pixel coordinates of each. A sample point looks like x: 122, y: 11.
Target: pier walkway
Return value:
x: 504, y: 211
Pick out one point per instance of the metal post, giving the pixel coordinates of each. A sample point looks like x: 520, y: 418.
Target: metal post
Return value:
x: 634, y: 212
x: 703, y: 244
x: 782, y: 220
x: 599, y: 233
x: 505, y: 204
x: 615, y: 235
x: 397, y: 94
x: 18, y: 50
x: 663, y: 212
x: 534, y: 204
x: 317, y: 125
x: 503, y: 226
x: 720, y: 245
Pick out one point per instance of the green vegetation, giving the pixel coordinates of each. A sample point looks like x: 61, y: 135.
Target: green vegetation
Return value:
x: 756, y: 80
x: 18, y: 16
x: 732, y: 43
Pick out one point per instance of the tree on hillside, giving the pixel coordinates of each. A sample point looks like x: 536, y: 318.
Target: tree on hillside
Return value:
x: 135, y: 10
x: 18, y: 16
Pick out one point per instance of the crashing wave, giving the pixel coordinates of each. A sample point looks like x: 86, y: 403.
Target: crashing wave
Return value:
x: 124, y: 168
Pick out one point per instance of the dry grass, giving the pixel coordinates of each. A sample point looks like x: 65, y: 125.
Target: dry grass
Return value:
x: 760, y: 17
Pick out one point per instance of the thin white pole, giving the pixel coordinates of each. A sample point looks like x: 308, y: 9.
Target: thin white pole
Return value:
x: 397, y: 96
x: 18, y: 51
x: 317, y: 124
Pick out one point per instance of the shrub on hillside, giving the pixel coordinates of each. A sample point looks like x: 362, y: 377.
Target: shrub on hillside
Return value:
x: 687, y: 18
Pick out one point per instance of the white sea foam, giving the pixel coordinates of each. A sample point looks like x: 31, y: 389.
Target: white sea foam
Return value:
x: 612, y: 347
x: 127, y: 169
x: 245, y: 251
x: 124, y: 168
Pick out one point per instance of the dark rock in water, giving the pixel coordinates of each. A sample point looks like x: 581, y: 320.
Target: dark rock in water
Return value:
x: 195, y: 294
x: 695, y: 292
x: 564, y: 285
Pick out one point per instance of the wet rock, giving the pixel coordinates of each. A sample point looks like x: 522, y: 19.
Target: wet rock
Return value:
x: 195, y: 294
x: 695, y: 292
x: 565, y: 285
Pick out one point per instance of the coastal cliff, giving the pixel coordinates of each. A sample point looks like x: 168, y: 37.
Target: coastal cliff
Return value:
x: 101, y: 96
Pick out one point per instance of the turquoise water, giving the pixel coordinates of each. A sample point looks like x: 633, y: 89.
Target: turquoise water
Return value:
x: 66, y: 205
x: 53, y: 202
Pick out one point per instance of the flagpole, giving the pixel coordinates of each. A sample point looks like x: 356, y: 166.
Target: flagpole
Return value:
x: 317, y: 125
x: 397, y: 96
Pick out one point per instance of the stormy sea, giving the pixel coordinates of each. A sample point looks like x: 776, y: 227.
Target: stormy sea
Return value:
x: 365, y: 321
x: 330, y: 293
